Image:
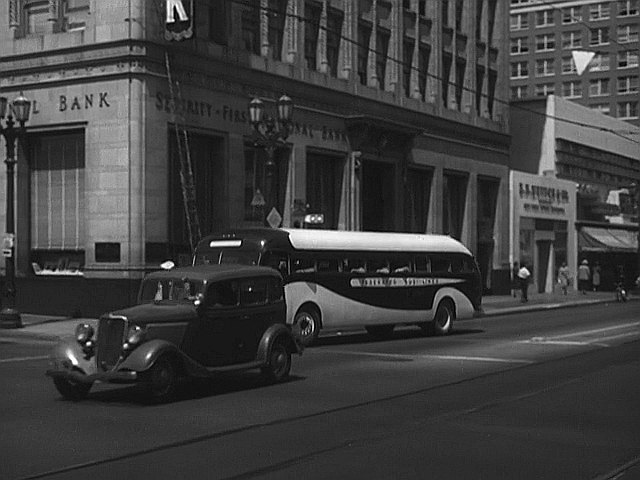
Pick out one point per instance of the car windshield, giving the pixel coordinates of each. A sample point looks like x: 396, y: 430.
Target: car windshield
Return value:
x: 174, y: 290
x: 226, y: 256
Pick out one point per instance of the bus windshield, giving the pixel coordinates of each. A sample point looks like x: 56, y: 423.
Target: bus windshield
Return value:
x: 227, y: 255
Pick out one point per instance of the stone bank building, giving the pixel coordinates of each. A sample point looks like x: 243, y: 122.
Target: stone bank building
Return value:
x: 400, y: 124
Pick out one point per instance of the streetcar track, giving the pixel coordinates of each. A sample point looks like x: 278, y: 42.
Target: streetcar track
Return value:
x: 345, y: 408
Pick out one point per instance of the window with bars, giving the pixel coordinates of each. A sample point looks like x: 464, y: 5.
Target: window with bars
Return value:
x: 519, y: 69
x: 627, y: 8
x: 519, y: 45
x: 407, y: 63
x: 519, y: 21
x: 364, y: 35
x: 312, y: 11
x: 382, y: 47
x: 599, y: 36
x: 250, y: 29
x: 544, y: 89
x: 599, y: 87
x: 544, y: 18
x: 599, y: 11
x: 627, y: 59
x: 572, y: 89
x: 324, y: 186
x: 276, y: 18
x: 424, y: 53
x: 627, y: 85
x: 571, y: 39
x: 599, y: 63
x: 519, y: 92
x: 57, y: 170
x: 568, y: 65
x: 39, y: 17
x: 545, y: 42
x: 416, y: 204
x: 335, y: 19
x: 545, y: 67
x: 628, y: 110
x: 571, y: 15
x: 628, y: 33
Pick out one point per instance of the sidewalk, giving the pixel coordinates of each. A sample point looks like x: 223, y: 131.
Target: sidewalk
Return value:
x: 51, y: 328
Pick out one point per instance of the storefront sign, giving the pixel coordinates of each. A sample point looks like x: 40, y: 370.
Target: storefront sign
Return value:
x: 178, y: 19
x: 83, y: 102
x: 540, y: 199
x: 229, y: 114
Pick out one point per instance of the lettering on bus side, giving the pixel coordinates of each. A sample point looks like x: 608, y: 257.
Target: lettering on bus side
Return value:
x: 396, y: 282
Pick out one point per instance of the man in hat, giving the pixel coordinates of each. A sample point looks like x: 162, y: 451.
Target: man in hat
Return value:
x: 584, y: 275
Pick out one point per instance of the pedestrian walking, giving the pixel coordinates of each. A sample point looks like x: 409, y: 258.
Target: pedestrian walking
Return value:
x: 523, y: 279
x: 595, y: 277
x: 564, y: 277
x: 515, y: 286
x: 584, y: 276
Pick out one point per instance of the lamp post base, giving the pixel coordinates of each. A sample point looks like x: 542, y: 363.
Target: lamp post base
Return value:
x: 10, y: 318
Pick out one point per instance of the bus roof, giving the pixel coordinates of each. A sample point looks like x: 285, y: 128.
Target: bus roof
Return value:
x: 373, y: 241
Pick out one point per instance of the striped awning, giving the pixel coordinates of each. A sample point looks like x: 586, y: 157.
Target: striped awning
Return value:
x: 594, y: 239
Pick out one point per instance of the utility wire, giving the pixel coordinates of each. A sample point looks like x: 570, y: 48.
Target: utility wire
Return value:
x: 303, y: 19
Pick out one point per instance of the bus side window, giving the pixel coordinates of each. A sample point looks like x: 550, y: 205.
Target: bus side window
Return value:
x: 400, y: 264
x: 303, y: 265
x: 328, y: 265
x: 440, y: 264
x: 354, y: 265
x: 378, y: 265
x: 423, y: 264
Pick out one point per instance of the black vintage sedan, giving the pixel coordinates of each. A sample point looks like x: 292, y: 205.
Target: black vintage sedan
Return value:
x: 192, y: 321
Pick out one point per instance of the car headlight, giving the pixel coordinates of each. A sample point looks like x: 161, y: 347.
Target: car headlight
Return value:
x: 84, y: 333
x: 135, y: 335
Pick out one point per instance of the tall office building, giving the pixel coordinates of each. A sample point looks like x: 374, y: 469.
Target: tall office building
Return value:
x: 544, y: 33
x: 400, y: 124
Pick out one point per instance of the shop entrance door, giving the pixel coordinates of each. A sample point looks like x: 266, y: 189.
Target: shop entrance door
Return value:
x: 377, y: 196
x: 544, y: 252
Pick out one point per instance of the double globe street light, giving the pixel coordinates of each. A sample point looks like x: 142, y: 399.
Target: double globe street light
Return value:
x: 272, y: 133
x: 16, y: 111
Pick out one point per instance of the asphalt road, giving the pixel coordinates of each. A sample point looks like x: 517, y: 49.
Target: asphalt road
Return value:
x: 549, y: 395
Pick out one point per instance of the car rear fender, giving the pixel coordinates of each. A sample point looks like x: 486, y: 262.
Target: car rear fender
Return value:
x: 277, y: 332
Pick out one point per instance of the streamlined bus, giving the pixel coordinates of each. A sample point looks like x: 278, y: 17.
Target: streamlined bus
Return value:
x: 338, y: 280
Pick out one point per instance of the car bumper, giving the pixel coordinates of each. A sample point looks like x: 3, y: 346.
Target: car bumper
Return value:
x: 109, y: 377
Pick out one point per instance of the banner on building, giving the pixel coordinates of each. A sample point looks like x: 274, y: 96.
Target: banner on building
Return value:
x: 178, y: 19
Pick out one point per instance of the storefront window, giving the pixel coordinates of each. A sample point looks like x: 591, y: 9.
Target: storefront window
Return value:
x: 57, y: 169
x: 324, y: 186
x: 206, y: 157
x: 255, y: 182
x: 454, y: 198
x: 486, y: 215
x: 417, y: 194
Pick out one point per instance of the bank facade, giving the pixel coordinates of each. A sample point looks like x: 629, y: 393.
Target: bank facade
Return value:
x: 418, y: 145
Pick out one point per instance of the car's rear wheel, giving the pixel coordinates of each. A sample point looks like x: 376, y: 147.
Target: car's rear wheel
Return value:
x: 72, y: 390
x: 278, y: 364
x: 308, y: 322
x: 160, y: 381
x: 380, y: 332
x: 442, y: 322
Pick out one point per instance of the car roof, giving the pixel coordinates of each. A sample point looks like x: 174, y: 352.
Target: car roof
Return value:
x: 215, y: 272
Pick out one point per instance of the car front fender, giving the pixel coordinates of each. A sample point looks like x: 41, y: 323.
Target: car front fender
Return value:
x: 68, y: 355
x: 145, y: 355
x: 277, y: 332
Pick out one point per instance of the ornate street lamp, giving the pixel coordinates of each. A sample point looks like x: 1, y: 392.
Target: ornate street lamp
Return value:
x: 18, y: 111
x: 271, y: 134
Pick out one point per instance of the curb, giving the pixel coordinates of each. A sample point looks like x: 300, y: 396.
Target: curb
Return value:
x: 547, y: 306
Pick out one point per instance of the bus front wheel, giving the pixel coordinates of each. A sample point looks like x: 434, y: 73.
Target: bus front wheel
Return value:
x: 442, y: 321
x: 308, y: 321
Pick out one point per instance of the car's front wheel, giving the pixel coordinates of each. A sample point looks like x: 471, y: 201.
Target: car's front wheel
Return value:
x: 278, y: 364
x: 72, y: 390
x: 160, y: 381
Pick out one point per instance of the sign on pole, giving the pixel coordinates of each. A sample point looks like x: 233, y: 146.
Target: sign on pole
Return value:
x: 178, y: 22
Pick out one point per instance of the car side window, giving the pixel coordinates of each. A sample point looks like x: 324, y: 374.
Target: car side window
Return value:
x: 253, y: 292
x: 276, y: 292
x: 277, y: 260
x: 223, y: 294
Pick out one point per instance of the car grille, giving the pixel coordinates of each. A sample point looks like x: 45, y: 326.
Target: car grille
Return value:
x: 111, y: 332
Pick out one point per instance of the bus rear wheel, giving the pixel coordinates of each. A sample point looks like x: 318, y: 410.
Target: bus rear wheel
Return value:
x: 308, y: 321
x: 442, y: 322
x: 380, y: 332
